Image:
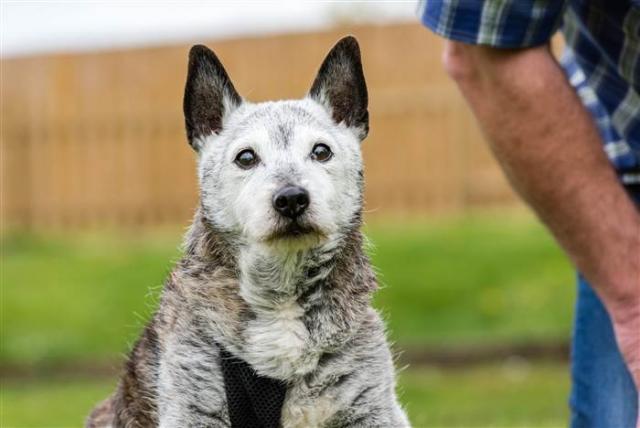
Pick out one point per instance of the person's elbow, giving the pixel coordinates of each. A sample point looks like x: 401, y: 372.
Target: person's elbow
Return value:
x: 461, y: 61
x: 466, y: 63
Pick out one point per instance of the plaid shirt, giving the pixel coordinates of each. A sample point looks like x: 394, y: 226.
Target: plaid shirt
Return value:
x: 601, y: 58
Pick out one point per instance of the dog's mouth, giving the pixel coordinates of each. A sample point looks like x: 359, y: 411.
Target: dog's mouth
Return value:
x: 295, y: 230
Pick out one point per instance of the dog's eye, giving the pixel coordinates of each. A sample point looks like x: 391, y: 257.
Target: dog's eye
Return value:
x: 246, y: 159
x: 321, y: 152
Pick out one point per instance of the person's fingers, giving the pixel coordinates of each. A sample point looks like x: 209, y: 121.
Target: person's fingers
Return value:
x: 635, y: 373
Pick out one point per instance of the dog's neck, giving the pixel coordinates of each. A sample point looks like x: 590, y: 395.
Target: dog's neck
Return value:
x: 269, y: 274
x: 289, y: 307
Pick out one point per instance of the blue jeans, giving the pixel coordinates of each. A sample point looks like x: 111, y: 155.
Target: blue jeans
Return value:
x: 603, y: 394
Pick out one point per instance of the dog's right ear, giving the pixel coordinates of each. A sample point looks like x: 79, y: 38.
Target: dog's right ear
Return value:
x: 209, y: 96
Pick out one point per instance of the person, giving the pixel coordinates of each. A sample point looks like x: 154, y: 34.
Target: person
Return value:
x: 547, y: 124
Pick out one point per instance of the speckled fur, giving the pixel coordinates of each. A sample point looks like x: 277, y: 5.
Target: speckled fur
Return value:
x: 295, y: 309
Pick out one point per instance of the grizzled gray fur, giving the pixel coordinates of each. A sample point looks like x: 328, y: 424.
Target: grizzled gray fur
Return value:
x: 273, y: 267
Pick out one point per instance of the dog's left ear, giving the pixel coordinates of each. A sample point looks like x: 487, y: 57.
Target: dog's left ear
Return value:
x: 209, y: 95
x: 341, y: 88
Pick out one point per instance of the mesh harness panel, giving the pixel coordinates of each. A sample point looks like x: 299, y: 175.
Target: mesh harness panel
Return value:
x: 254, y: 401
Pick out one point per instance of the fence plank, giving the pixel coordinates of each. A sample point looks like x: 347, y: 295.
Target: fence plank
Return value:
x: 97, y: 139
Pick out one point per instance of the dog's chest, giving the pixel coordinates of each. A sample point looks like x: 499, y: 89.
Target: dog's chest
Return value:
x: 277, y: 343
x: 301, y: 411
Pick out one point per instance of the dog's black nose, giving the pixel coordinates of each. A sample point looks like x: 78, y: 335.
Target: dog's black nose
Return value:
x: 291, y: 201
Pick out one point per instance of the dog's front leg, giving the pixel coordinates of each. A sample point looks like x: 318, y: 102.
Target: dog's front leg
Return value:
x: 377, y: 407
x: 190, y: 384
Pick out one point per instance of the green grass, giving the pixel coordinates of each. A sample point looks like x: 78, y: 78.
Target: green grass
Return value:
x: 79, y: 296
x: 54, y: 403
x: 477, y: 279
x: 511, y: 395
x: 462, y: 280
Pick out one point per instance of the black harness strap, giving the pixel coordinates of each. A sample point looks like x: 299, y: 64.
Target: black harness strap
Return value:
x: 254, y: 401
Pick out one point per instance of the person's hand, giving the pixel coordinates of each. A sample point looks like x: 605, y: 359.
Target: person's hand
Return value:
x: 626, y: 325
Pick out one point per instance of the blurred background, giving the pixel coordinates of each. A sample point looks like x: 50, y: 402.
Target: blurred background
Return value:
x: 98, y: 186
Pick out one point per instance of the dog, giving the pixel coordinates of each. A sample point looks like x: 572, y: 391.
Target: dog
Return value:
x: 273, y: 294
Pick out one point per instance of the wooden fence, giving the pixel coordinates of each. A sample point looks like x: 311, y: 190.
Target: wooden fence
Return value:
x: 98, y: 139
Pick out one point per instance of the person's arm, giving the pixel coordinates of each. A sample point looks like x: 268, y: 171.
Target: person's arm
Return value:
x: 551, y: 151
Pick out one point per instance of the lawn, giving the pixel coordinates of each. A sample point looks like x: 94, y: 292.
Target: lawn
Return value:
x: 513, y: 394
x: 463, y: 280
x: 477, y: 279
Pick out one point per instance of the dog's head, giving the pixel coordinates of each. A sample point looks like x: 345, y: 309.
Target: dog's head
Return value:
x: 285, y: 173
